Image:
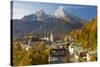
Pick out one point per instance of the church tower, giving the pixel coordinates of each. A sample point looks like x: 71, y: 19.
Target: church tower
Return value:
x: 51, y: 37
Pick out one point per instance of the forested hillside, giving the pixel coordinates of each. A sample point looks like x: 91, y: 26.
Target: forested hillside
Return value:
x: 87, y: 36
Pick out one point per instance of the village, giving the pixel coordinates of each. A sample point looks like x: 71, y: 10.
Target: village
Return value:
x: 62, y: 51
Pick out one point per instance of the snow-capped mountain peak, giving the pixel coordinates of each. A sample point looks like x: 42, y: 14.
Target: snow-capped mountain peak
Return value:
x: 59, y: 12
x: 40, y: 14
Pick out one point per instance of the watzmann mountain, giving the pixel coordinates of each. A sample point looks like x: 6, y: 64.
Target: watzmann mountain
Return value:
x: 61, y: 21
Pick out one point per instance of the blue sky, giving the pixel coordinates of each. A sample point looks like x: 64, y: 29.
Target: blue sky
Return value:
x: 22, y: 8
